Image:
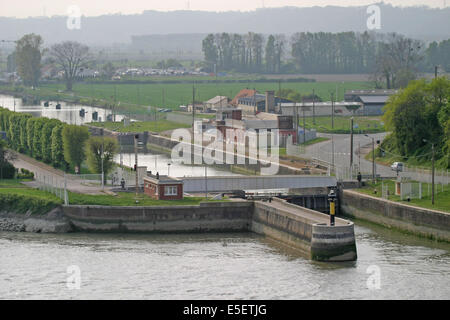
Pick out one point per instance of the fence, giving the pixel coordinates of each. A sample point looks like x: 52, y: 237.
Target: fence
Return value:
x: 441, y: 176
x: 410, y: 190
x: 53, y: 184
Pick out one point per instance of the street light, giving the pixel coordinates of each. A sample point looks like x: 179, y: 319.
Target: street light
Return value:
x: 373, y: 157
x: 432, y: 171
x: 206, y: 182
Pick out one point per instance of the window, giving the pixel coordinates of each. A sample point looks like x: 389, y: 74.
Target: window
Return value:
x: 171, y: 191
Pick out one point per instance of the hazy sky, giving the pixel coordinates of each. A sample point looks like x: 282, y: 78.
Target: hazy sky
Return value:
x: 25, y: 8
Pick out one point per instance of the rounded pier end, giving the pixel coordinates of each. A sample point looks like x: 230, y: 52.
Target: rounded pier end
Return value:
x: 333, y: 243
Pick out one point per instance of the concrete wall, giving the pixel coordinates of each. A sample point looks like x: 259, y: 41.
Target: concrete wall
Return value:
x: 294, y: 226
x: 207, y: 217
x: 428, y: 223
x: 320, y: 242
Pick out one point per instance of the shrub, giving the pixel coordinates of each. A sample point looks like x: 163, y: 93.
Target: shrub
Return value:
x: 7, y: 171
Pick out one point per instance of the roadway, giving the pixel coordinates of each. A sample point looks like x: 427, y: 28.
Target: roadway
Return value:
x: 361, y: 146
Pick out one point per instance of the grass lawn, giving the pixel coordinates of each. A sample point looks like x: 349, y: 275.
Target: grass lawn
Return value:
x: 343, y: 124
x: 442, y: 198
x: 151, y: 126
x: 34, y: 198
x: 124, y: 199
x: 140, y: 96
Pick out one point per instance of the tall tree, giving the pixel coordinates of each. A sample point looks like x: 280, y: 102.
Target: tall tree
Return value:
x: 74, y: 139
x: 28, y: 58
x: 71, y: 56
x: 95, y: 147
x: 57, y: 147
x: 270, y: 54
x: 210, y: 51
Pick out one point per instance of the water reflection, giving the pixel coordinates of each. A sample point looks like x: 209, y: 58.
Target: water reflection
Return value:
x: 69, y: 113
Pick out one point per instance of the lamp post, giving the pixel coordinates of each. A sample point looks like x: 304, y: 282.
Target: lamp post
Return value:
x: 373, y: 157
x: 432, y: 171
x: 351, y: 149
x: 206, y: 182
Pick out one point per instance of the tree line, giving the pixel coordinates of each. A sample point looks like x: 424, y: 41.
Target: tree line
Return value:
x: 419, y: 117
x: 27, y: 58
x: 51, y: 141
x: 391, y: 58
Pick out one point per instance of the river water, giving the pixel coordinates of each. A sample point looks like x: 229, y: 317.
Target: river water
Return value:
x: 217, y: 266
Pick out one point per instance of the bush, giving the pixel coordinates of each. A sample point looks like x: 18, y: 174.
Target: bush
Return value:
x: 23, y: 204
x: 7, y: 171
x: 25, y: 174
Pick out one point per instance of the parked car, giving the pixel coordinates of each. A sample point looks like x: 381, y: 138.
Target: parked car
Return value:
x: 397, y: 166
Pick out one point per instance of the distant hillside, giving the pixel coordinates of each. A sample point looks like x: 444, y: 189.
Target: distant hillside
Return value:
x: 417, y: 22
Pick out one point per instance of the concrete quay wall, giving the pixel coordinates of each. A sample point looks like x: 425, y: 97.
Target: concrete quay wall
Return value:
x: 206, y: 217
x: 317, y: 239
x: 420, y: 221
x: 294, y: 226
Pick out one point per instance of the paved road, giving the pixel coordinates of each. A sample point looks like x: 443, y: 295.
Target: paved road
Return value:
x: 52, y: 174
x: 323, y: 151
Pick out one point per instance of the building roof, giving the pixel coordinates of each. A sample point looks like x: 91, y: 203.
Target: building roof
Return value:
x: 374, y: 92
x: 163, y: 180
x: 320, y: 104
x: 217, y: 99
x: 243, y: 93
x: 251, y: 99
x: 374, y: 99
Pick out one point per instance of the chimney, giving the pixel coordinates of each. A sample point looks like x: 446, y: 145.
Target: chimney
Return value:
x: 270, y: 101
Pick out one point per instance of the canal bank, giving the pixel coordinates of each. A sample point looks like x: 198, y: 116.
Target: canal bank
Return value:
x: 418, y: 221
x: 294, y: 226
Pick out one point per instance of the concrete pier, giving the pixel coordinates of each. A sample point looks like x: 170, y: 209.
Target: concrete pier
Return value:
x: 298, y: 227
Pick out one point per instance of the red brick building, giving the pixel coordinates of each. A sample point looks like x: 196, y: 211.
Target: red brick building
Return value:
x: 163, y: 187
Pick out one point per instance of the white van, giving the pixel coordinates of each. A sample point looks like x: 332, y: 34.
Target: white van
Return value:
x: 397, y: 166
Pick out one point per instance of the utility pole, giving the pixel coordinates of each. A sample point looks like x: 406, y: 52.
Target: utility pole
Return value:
x: 359, y: 156
x: 314, y: 107
x: 351, y: 148
x: 103, y: 173
x: 373, y: 160
x: 432, y: 175
x: 136, y: 137
x: 193, y: 107
x: 304, y: 124
x: 254, y: 101
x: 206, y: 182
x: 332, y: 111
x: 296, y: 120
x: 435, y: 71
x: 332, y: 151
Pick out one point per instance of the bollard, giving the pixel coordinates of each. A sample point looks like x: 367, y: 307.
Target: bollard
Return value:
x: 332, y: 200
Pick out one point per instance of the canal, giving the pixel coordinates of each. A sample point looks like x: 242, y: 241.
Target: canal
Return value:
x: 390, y: 265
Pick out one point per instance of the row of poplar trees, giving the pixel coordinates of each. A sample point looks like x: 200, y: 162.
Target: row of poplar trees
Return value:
x: 47, y: 140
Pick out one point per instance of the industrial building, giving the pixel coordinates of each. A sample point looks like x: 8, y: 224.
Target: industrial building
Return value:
x: 372, y: 101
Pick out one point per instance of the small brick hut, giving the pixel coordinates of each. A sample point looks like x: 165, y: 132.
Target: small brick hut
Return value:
x: 163, y: 187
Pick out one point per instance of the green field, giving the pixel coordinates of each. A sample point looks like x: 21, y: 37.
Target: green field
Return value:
x: 151, y: 126
x: 133, y: 97
x: 343, y: 124
x: 442, y: 199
